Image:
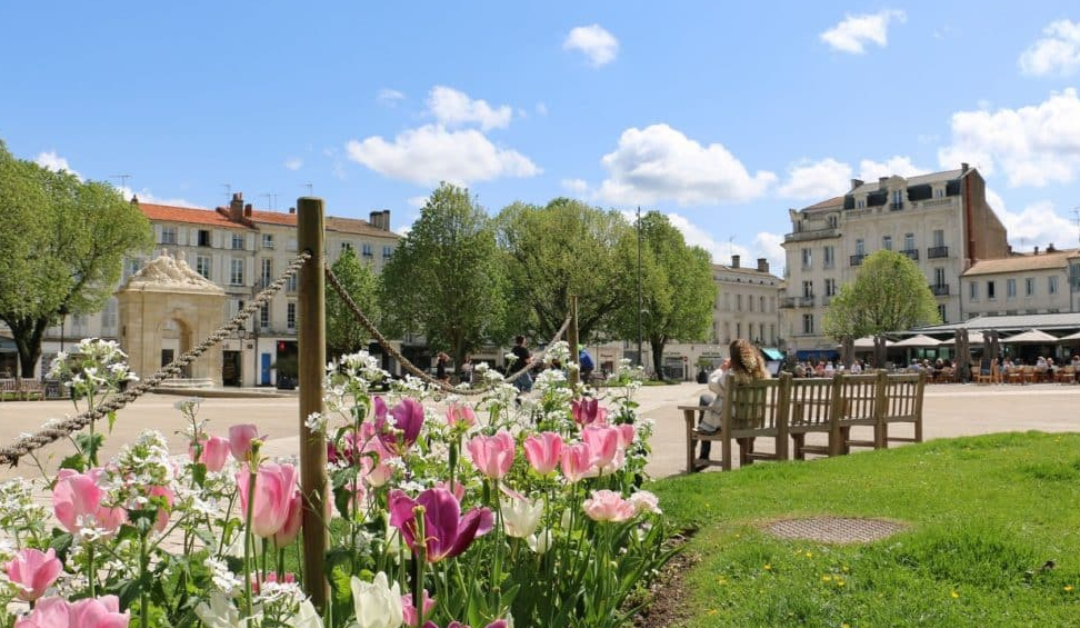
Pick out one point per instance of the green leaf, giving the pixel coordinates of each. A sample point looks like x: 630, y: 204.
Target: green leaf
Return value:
x: 112, y: 420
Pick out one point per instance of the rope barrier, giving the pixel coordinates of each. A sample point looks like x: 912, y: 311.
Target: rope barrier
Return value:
x: 62, y: 429
x: 409, y: 366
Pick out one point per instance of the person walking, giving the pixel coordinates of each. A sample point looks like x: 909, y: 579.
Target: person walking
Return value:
x: 586, y: 363
x: 522, y: 358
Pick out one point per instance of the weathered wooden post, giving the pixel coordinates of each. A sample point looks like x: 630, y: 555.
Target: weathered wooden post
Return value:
x: 572, y: 339
x: 312, y: 349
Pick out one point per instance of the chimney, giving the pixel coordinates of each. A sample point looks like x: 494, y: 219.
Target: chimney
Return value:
x: 881, y: 182
x: 236, y: 207
x: 292, y: 210
x: 134, y: 199
x: 373, y: 219
x: 762, y: 265
x: 386, y: 220
x: 734, y: 261
x: 856, y: 183
x: 1036, y: 250
x: 963, y: 168
x: 1050, y: 248
x: 1010, y: 250
x: 247, y: 210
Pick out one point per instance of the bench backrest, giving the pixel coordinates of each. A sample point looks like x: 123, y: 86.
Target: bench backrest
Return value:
x: 757, y: 405
x: 903, y: 397
x: 811, y: 402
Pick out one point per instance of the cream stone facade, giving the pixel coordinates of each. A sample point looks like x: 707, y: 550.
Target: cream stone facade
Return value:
x: 939, y: 220
x: 1045, y: 282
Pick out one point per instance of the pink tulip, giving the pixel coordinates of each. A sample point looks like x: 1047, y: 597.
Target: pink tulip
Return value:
x: 543, y: 451
x: 240, y: 437
x: 77, y: 496
x: 409, y: 611
x: 459, y: 488
x: 608, y: 505
x: 604, y: 442
x: 577, y: 459
x: 287, y: 578
x: 163, y: 513
x: 275, y: 486
x: 33, y: 572
x: 626, y: 435
x: 289, y: 531
x: 215, y: 451
x: 492, y: 455
x: 56, y: 612
x: 587, y: 411
x: 460, y: 415
x: 408, y: 418
x: 446, y: 532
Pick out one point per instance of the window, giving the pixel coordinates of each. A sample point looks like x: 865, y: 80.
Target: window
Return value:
x: 939, y: 276
x: 1029, y: 287
x: 291, y: 285
x: 886, y: 243
x: 366, y: 249
x: 939, y: 193
x: 202, y: 266
x: 808, y: 289
x: 761, y: 303
x: 939, y: 237
x: 290, y: 316
x: 830, y: 257
x: 991, y: 292
x: 909, y: 241
x: 973, y: 289
x: 772, y: 333
x: 807, y: 258
x: 267, y: 271
x: 1010, y: 289
x: 898, y: 199
x: 264, y: 317
x: 860, y: 204
x: 941, y: 313
x: 738, y: 302
x: 345, y: 246
x: 204, y: 237
x: 238, y: 242
x: 727, y: 332
x: 236, y: 271
x: 291, y: 246
x: 387, y: 251
x: 830, y: 287
x: 268, y: 240
x: 860, y: 247
x: 1052, y: 284
x: 738, y: 330
x: 807, y: 324
x: 131, y: 266
x: 108, y: 315
x: 168, y: 235
x: 750, y: 303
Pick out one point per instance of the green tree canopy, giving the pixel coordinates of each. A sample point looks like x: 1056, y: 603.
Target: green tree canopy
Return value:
x: 64, y: 242
x: 889, y: 293
x: 678, y: 291
x: 345, y: 334
x: 564, y: 248
x: 445, y: 279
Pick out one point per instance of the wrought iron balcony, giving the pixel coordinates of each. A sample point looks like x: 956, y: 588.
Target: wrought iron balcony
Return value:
x: 856, y: 260
x: 936, y: 252
x: 896, y: 206
x: 812, y: 234
x: 792, y: 302
x: 940, y: 290
x: 911, y: 253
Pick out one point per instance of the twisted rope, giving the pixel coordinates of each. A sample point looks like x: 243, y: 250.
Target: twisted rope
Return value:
x: 409, y: 366
x: 62, y: 429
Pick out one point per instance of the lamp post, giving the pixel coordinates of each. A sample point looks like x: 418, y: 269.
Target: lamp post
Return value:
x: 241, y: 334
x: 640, y: 362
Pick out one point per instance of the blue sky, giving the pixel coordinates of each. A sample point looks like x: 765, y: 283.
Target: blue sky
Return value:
x: 721, y: 116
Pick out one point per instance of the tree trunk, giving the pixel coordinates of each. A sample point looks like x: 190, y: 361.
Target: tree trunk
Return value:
x: 657, y: 346
x: 27, y: 334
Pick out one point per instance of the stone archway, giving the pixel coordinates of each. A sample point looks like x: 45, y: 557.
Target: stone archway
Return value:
x: 167, y: 308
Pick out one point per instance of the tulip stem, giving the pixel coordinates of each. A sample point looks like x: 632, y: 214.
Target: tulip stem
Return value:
x: 90, y: 568
x: 247, y: 544
x: 144, y: 595
x: 419, y: 562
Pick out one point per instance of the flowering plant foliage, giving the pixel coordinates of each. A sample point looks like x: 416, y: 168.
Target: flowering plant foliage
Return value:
x: 479, y: 513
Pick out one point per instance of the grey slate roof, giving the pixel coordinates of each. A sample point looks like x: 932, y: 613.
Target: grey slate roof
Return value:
x: 1019, y: 322
x: 933, y: 177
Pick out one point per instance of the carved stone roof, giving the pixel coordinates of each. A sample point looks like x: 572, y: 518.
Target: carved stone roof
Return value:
x: 169, y: 274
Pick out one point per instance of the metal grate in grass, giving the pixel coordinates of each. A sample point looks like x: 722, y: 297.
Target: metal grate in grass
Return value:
x: 834, y: 529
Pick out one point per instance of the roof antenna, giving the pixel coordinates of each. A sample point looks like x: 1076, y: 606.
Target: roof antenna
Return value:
x: 730, y: 246
x: 1076, y: 212
x: 123, y: 180
x: 309, y: 187
x: 271, y: 199
x: 228, y: 191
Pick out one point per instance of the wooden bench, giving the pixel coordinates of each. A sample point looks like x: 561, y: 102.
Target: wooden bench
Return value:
x: 783, y: 408
x: 21, y: 390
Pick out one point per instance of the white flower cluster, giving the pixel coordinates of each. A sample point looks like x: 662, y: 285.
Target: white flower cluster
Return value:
x: 145, y: 463
x: 559, y: 350
x: 18, y: 510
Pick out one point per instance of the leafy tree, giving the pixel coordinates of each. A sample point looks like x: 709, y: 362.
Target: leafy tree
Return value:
x: 64, y: 242
x: 344, y: 334
x: 889, y: 293
x: 565, y: 248
x: 445, y: 279
x: 678, y: 291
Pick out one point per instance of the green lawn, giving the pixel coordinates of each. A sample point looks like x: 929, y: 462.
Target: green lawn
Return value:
x: 985, y: 516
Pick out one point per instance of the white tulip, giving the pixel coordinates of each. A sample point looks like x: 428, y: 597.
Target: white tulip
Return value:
x: 377, y: 604
x: 521, y: 517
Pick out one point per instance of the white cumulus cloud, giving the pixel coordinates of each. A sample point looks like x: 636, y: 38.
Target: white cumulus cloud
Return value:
x: 818, y: 179
x: 431, y: 153
x: 454, y: 108
x: 1057, y: 53
x: 595, y: 42
x: 1034, y: 145
x: 660, y: 163
x: 145, y: 196
x: 294, y: 163
x: 856, y: 31
x: 1038, y: 224
x: 416, y: 201
x: 52, y: 161
x: 575, y: 186
x: 389, y: 97
x: 870, y: 170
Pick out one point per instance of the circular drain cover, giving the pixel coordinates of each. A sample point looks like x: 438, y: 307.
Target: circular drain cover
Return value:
x: 834, y: 529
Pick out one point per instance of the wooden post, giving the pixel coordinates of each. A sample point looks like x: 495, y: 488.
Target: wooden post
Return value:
x: 881, y: 407
x: 837, y: 444
x: 312, y: 350
x: 572, y: 339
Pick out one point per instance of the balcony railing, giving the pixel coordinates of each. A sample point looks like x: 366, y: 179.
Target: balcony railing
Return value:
x: 896, y: 206
x: 856, y: 260
x: 792, y: 302
x: 936, y: 252
x: 911, y: 253
x: 812, y: 234
x: 940, y: 290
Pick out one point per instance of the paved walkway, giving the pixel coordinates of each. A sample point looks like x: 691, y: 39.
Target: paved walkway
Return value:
x: 949, y: 410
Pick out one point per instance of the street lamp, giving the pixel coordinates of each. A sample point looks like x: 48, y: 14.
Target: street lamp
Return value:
x: 640, y: 362
x: 241, y: 334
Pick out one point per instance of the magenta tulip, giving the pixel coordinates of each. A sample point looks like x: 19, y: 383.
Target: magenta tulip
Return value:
x: 577, y: 459
x: 77, y: 499
x: 215, y: 451
x: 240, y: 437
x: 460, y: 415
x: 588, y: 411
x: 446, y: 532
x: 608, y: 505
x: 289, y: 531
x: 604, y: 442
x: 492, y: 455
x: 408, y: 418
x: 409, y: 611
x: 56, y: 612
x: 544, y: 451
x: 275, y: 487
x: 33, y: 572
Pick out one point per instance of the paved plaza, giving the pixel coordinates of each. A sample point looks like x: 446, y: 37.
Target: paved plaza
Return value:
x: 949, y: 410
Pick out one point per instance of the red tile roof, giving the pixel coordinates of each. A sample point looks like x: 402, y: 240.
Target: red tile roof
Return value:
x: 190, y: 215
x: 836, y: 201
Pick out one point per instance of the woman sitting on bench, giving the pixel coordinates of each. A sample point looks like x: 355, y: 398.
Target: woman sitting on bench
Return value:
x: 745, y: 365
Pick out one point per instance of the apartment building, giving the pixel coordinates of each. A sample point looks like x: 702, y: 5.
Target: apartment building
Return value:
x: 940, y: 220
x: 243, y: 250
x: 1043, y: 282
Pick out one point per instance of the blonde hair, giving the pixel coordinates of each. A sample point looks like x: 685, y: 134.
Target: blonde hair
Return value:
x: 746, y: 362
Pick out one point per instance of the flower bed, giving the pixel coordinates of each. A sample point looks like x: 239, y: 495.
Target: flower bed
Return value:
x: 443, y: 513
